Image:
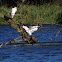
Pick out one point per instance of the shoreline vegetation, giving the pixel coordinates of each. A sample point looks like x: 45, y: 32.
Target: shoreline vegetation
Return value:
x: 31, y: 14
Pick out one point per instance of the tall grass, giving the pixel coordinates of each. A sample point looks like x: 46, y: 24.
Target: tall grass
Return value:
x: 33, y: 14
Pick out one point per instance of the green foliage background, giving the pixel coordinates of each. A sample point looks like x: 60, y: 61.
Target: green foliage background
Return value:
x: 49, y: 13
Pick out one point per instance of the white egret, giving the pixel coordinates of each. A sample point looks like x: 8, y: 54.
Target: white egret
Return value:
x: 30, y: 30
x: 13, y: 11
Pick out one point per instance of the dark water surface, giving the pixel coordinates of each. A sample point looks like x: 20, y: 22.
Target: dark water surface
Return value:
x: 51, y: 52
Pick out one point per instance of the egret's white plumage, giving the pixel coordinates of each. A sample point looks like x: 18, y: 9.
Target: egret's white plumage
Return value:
x: 13, y: 11
x: 30, y: 30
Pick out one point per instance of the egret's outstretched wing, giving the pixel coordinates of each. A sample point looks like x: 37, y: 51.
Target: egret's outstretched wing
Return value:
x: 30, y: 30
x: 34, y: 28
x: 27, y: 29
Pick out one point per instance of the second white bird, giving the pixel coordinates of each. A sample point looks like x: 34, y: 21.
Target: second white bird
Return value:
x: 13, y: 11
x: 30, y: 30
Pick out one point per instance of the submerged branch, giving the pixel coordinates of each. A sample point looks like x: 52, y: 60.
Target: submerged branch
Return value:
x: 57, y: 34
x: 9, y: 42
x: 17, y: 38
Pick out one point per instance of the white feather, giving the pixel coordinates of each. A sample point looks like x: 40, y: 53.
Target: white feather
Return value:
x: 13, y: 11
x: 30, y: 30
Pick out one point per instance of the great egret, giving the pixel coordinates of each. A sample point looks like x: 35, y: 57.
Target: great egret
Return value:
x: 13, y: 11
x: 30, y: 30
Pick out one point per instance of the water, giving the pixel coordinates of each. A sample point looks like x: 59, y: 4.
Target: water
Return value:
x: 51, y: 52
